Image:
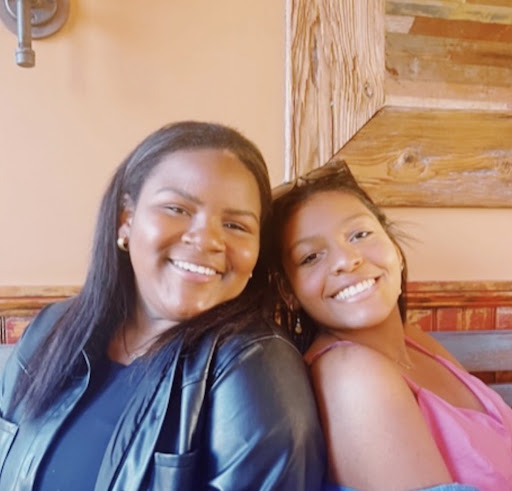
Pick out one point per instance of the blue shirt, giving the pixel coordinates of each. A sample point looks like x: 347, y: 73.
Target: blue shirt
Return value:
x: 75, y: 456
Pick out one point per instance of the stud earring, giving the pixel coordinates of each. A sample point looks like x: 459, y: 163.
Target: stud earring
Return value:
x: 298, y: 326
x: 122, y: 243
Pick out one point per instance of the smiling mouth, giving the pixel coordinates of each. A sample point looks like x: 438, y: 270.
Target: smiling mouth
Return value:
x: 193, y: 268
x: 353, y: 290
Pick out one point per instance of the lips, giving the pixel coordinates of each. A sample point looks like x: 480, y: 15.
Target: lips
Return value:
x: 194, y: 268
x: 354, y: 289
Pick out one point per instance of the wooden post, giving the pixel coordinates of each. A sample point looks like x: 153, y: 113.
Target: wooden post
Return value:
x: 335, y: 76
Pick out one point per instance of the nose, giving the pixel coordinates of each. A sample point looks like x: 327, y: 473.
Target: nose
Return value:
x: 347, y: 258
x: 205, y: 234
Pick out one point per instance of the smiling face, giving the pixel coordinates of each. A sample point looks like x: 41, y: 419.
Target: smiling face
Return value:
x: 193, y: 235
x: 342, y: 267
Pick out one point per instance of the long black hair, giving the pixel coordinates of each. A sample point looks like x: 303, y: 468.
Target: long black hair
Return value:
x: 107, y: 298
x: 335, y: 175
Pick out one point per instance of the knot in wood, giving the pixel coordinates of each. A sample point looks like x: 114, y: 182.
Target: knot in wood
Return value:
x: 368, y: 89
x: 409, y: 164
x: 505, y: 169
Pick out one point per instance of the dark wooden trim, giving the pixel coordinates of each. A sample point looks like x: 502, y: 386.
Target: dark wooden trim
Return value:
x: 459, y: 294
x: 26, y: 300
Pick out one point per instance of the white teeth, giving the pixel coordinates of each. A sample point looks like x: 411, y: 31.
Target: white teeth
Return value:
x: 352, y: 290
x: 194, y: 268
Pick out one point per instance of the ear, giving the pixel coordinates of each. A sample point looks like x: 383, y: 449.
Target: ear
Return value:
x: 401, y: 260
x: 126, y: 217
x: 286, y: 292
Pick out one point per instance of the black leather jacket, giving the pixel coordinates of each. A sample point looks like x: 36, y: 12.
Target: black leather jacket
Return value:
x: 247, y: 420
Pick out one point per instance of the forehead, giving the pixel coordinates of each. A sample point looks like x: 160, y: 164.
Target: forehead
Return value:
x: 322, y: 210
x: 206, y: 174
x: 339, y: 203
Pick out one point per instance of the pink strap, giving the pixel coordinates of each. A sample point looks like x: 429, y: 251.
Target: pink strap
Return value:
x: 310, y: 358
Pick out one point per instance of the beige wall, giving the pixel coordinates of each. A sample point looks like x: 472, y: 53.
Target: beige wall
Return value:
x: 457, y: 244
x: 118, y: 70
x: 121, y: 68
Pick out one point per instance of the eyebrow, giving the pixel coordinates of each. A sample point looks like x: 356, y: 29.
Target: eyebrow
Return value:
x: 350, y: 218
x: 197, y: 201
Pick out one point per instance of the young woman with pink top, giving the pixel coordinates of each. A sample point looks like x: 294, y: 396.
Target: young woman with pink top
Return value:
x: 398, y: 411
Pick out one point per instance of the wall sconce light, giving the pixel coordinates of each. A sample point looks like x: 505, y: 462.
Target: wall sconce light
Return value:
x: 32, y: 19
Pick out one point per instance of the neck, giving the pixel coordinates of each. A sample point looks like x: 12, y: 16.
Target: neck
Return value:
x: 136, y: 337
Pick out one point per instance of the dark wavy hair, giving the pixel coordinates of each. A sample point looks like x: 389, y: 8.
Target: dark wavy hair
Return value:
x: 107, y: 298
x: 335, y: 175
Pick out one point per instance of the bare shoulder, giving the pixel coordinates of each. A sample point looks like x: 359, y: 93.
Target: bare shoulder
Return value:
x: 359, y: 374
x: 371, y: 420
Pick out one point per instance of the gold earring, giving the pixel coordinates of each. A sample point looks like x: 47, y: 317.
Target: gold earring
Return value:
x: 298, y: 326
x: 122, y: 243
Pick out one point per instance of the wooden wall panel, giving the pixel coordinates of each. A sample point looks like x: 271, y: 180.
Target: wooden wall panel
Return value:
x: 495, y: 12
x: 335, y: 76
x: 431, y: 158
x: 18, y: 305
x: 451, y: 54
x: 504, y: 318
x: 449, y: 60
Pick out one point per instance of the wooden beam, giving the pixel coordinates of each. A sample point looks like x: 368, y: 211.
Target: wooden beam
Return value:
x: 442, y: 95
x: 451, y: 9
x: 459, y: 29
x: 448, y: 60
x: 433, y: 294
x: 434, y: 158
x: 26, y: 300
x: 335, y: 76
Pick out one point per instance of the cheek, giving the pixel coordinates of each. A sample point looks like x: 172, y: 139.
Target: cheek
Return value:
x: 246, y: 256
x: 305, y: 284
x: 146, y: 229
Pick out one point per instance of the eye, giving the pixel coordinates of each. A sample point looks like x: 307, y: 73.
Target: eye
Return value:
x: 363, y: 234
x: 177, y: 209
x: 235, y: 226
x: 310, y: 258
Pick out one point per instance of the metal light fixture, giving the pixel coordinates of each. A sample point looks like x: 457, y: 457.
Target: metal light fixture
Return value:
x: 32, y: 19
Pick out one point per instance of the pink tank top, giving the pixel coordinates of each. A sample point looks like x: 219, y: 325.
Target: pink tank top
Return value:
x: 476, y: 446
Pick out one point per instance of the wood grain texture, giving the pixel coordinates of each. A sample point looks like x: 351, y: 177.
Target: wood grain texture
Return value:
x: 449, y: 60
x: 19, y: 305
x: 434, y: 158
x: 492, y: 12
x: 462, y: 29
x: 443, y: 95
x: 454, y: 55
x: 335, y: 76
x: 27, y: 300
x: 428, y: 294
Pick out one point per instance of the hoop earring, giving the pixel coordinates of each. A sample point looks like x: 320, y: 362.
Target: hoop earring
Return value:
x: 122, y: 243
x: 298, y: 326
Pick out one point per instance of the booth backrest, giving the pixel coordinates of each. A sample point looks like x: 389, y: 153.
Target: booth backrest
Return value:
x: 482, y: 351
x: 473, y: 320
